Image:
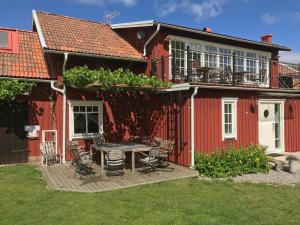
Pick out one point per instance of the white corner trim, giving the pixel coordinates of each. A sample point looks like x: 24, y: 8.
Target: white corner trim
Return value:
x: 39, y: 30
x: 71, y: 118
x: 234, y: 112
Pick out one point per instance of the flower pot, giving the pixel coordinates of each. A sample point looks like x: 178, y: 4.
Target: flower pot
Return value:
x: 293, y: 166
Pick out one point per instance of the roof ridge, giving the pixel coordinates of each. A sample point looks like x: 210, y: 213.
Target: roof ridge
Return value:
x: 16, y: 29
x: 71, y: 17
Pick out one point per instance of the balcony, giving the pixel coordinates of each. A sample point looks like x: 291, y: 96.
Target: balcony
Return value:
x: 216, y: 69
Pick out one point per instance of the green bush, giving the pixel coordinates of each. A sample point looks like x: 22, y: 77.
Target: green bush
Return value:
x: 10, y: 89
x: 233, y: 162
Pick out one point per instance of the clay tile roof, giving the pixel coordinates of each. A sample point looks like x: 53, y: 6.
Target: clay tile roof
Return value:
x: 70, y: 34
x: 28, y: 62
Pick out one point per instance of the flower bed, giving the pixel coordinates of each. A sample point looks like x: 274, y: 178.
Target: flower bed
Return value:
x: 233, y: 162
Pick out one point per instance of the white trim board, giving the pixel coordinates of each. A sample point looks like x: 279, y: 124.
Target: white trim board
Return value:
x: 39, y: 30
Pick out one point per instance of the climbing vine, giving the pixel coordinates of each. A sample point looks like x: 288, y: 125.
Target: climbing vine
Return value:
x: 83, y: 77
x: 10, y: 89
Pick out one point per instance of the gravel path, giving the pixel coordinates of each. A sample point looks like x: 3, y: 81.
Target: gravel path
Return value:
x: 273, y: 177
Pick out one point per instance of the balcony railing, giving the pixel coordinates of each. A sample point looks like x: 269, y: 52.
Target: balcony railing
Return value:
x: 226, y: 70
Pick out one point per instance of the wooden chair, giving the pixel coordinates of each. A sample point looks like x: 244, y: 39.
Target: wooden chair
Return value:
x: 115, y: 162
x: 48, y: 152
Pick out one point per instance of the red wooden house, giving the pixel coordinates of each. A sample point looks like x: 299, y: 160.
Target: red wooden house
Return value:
x: 227, y: 91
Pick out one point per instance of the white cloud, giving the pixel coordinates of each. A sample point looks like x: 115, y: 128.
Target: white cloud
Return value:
x: 200, y: 10
x: 166, y: 8
x: 102, y: 2
x: 270, y: 19
x: 290, y: 57
x: 295, y: 16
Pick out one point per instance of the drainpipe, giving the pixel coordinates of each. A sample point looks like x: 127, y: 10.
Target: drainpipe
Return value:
x: 193, y: 127
x: 150, y: 39
x: 63, y: 91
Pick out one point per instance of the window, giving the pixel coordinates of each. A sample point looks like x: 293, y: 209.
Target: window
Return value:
x: 195, y: 56
x: 178, y: 48
x: 225, y: 57
x: 239, y: 61
x: 251, y: 65
x: 210, y: 56
x: 263, y: 60
x: 85, y: 119
x: 263, y: 68
x: 4, y: 37
x: 229, y: 118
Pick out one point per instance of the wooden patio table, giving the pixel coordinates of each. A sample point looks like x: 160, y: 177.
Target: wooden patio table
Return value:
x: 126, y: 147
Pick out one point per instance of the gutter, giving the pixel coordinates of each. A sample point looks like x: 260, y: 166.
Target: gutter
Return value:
x: 26, y: 79
x: 95, y: 56
x: 63, y: 91
x: 150, y: 39
x: 193, y: 127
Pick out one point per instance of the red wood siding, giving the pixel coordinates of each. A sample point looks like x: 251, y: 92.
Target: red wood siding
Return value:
x: 39, y: 114
x: 292, y: 125
x: 208, y: 121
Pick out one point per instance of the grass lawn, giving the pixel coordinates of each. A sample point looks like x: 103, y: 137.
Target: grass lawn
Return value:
x: 25, y: 199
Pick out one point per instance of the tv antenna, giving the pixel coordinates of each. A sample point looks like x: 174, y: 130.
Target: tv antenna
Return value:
x: 108, y: 16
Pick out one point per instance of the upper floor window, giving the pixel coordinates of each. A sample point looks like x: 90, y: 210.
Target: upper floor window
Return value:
x: 195, y: 56
x: 263, y: 62
x: 239, y: 60
x: 251, y: 65
x: 9, y: 41
x: 210, y: 56
x: 225, y: 58
x: 177, y: 48
x: 4, y: 40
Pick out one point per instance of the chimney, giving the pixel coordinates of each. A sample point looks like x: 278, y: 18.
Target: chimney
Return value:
x: 267, y: 38
x: 207, y: 29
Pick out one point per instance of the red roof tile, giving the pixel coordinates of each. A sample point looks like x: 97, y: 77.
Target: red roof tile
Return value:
x: 70, y: 34
x: 28, y: 62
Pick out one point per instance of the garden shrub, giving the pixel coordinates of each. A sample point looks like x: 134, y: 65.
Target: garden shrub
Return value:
x: 233, y: 162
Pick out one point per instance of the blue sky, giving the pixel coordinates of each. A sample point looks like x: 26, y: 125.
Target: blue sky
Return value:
x: 243, y: 18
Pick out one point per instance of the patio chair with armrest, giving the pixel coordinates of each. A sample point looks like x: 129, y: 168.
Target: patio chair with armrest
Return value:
x: 115, y: 162
x: 150, y: 160
x: 84, y: 155
x: 80, y: 168
x: 166, y: 150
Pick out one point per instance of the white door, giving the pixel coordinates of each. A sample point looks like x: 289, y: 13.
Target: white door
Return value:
x: 271, y: 126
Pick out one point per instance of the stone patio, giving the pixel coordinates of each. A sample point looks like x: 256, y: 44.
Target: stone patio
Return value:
x: 61, y: 177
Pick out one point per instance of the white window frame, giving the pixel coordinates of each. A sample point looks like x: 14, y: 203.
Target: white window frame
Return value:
x: 189, y: 41
x: 73, y: 103
x: 232, y: 101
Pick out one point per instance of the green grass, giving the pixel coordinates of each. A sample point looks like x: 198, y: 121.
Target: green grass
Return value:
x: 24, y: 199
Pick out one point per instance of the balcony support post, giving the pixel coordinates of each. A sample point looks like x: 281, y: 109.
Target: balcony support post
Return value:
x: 173, y: 68
x: 162, y: 68
x: 189, y: 70
x: 233, y: 69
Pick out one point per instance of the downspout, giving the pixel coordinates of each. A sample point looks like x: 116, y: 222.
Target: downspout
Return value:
x: 150, y: 39
x: 63, y: 91
x: 193, y: 127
